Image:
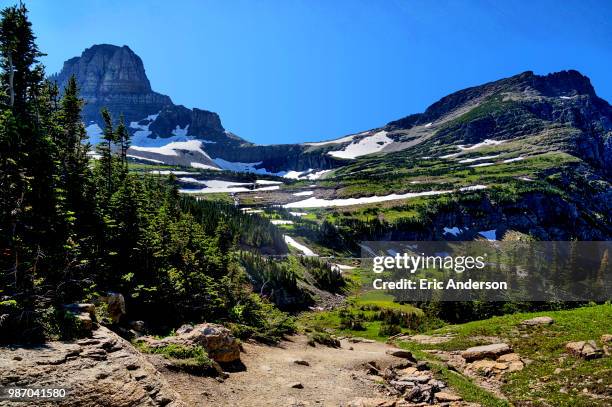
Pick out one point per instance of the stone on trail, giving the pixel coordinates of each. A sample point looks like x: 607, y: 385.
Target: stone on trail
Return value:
x: 538, y: 321
x: 301, y: 362
x: 492, y: 351
x: 400, y: 353
x: 584, y: 349
x: 446, y: 397
x: 371, y: 402
x: 296, y: 385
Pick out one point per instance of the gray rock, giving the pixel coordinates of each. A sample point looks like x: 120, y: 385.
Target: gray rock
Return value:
x: 584, y: 349
x: 492, y: 351
x: 538, y: 321
x: 400, y: 353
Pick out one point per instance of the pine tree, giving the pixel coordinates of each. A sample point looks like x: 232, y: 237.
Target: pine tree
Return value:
x: 105, y: 149
x: 123, y: 138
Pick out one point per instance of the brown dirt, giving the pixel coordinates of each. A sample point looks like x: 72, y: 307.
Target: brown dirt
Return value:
x: 334, y: 377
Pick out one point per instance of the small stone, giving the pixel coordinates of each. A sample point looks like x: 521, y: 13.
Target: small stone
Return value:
x: 558, y: 370
x: 446, y: 397
x: 606, y: 339
x: 296, y: 385
x: 301, y: 362
x: 538, y: 321
x: 509, y: 357
x: 584, y: 349
x: 400, y: 353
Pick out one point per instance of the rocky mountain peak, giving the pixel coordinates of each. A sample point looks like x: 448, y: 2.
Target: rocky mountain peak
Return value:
x: 106, y: 69
x: 113, y: 77
x: 562, y: 83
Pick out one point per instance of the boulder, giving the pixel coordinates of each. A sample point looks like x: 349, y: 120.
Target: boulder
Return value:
x: 492, y: 351
x: 584, y: 349
x: 538, y: 321
x: 104, y: 370
x: 115, y: 306
x: 218, y: 341
x: 400, y: 353
x: 85, y: 314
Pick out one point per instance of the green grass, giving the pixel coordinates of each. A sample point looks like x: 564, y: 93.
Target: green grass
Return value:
x: 193, y: 359
x: 537, y: 384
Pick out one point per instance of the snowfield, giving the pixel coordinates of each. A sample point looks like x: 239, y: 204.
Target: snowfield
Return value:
x: 336, y: 141
x: 305, y: 250
x: 367, y: 145
x: 314, y: 202
x: 303, y: 193
x: 487, y: 142
x: 511, y: 160
x: 485, y: 157
x: 204, y: 166
x: 171, y: 148
x: 281, y: 222
x: 218, y: 186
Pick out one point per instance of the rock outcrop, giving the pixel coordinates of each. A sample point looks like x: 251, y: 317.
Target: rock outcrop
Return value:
x: 104, y: 370
x: 112, y: 77
x: 485, y: 351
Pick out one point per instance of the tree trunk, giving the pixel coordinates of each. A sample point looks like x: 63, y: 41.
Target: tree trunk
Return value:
x: 11, y: 79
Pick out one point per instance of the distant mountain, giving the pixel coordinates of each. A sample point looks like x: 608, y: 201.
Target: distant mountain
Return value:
x: 114, y: 77
x: 562, y: 103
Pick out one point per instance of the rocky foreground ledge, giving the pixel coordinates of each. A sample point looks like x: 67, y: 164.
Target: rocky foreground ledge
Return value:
x: 103, y: 370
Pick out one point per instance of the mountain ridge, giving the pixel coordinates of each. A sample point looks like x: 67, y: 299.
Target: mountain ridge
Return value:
x: 115, y: 77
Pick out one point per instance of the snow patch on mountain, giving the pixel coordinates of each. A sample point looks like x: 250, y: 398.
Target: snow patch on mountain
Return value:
x: 485, y: 157
x: 367, y: 145
x: 173, y: 148
x: 180, y: 132
x: 486, y: 142
x: 305, y: 250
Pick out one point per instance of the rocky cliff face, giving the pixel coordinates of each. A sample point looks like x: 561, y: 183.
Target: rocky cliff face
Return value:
x: 112, y: 77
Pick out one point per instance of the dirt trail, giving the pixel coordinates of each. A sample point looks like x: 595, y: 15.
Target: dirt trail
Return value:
x: 334, y: 377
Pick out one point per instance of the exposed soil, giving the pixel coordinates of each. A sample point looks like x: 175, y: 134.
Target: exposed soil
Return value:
x: 334, y: 377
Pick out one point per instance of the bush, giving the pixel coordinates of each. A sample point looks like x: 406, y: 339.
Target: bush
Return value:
x: 348, y: 320
x: 191, y: 359
x: 389, y: 330
x: 323, y: 338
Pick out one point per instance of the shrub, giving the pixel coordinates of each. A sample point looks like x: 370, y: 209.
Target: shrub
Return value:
x: 191, y: 359
x: 323, y: 338
x: 389, y: 329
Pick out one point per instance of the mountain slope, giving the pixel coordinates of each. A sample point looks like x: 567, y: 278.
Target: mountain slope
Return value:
x: 114, y: 77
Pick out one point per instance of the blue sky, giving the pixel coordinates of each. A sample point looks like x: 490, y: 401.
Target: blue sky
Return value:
x: 287, y: 70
